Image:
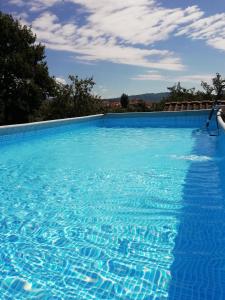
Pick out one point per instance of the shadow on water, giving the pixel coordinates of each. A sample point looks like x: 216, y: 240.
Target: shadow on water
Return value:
x: 198, y: 270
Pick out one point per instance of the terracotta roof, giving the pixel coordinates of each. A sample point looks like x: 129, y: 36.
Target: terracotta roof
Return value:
x: 190, y: 105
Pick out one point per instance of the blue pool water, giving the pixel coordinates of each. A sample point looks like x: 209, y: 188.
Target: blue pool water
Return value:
x: 102, y: 211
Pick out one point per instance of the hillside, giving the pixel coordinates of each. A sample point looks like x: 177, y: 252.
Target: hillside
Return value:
x: 151, y: 97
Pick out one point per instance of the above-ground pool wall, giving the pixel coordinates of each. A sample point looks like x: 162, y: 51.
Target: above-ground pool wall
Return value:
x: 36, y: 126
x: 16, y: 133
x: 191, y: 119
x: 151, y: 119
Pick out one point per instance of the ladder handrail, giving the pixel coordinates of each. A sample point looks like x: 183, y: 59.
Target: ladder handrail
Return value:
x: 214, y: 106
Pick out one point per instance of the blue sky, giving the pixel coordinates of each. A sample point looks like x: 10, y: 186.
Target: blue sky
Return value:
x: 132, y: 46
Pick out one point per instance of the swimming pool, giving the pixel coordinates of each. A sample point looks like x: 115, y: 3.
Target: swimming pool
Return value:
x: 115, y: 207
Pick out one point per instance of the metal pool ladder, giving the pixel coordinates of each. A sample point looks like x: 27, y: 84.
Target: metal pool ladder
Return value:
x: 215, y: 108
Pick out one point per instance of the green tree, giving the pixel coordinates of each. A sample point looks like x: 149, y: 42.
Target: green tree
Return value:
x: 84, y: 102
x: 71, y: 100
x: 216, y: 90
x: 179, y: 93
x: 208, y: 90
x: 24, y: 77
x: 57, y: 107
x: 124, y: 100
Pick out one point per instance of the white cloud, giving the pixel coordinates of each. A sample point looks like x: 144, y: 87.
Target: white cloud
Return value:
x: 218, y: 43
x: 114, y: 30
x: 100, y: 90
x: 211, y: 29
x: 22, y: 17
x: 89, y: 46
x: 195, y: 78
x: 151, y: 75
x: 137, y: 22
x: 60, y: 80
x: 17, y: 2
x: 154, y: 75
x: 35, y: 5
x: 124, y: 32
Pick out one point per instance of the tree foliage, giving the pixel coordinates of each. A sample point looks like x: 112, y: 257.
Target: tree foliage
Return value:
x: 179, y: 93
x: 28, y: 93
x: 84, y: 102
x: 124, y: 100
x: 71, y: 100
x: 208, y: 90
x: 217, y: 88
x: 24, y: 78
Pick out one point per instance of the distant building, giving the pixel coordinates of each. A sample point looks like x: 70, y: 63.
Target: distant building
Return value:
x: 111, y: 103
x: 132, y: 102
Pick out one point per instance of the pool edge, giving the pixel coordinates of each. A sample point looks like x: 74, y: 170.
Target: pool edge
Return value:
x: 158, y: 113
x: 15, y: 128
